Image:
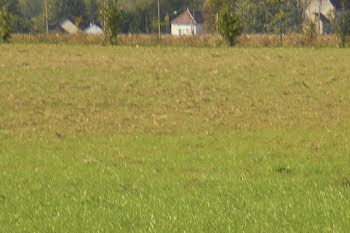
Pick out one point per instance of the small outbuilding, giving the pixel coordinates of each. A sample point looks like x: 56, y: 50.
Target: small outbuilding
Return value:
x: 69, y: 27
x: 188, y: 23
x: 93, y: 29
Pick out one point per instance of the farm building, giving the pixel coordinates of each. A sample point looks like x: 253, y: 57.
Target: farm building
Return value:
x: 93, y: 29
x: 321, y: 12
x: 188, y: 23
x: 69, y: 27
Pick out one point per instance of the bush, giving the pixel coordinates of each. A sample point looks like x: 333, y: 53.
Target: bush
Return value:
x: 5, y: 25
x: 310, y: 33
x: 230, y: 26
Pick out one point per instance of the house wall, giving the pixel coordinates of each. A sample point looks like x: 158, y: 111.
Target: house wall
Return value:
x: 327, y: 9
x: 186, y: 29
x: 323, y: 26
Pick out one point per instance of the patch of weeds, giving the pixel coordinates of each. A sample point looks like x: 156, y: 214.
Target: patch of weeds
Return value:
x: 343, y: 182
x: 283, y: 170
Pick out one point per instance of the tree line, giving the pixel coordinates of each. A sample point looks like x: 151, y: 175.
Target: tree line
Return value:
x: 140, y: 16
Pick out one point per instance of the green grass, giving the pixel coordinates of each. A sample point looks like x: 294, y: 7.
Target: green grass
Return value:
x: 101, y: 139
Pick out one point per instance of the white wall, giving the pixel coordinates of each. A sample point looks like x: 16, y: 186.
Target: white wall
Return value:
x: 314, y: 7
x: 186, y: 29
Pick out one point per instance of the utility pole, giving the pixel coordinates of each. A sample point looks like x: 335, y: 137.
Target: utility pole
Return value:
x: 159, y: 20
x: 217, y: 23
x: 104, y: 15
x: 319, y: 17
x: 46, y: 18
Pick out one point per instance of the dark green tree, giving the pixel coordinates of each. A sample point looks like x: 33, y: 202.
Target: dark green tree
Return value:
x: 5, y: 25
x: 211, y: 10
x: 341, y: 23
x: 279, y: 16
x: 18, y: 22
x: 230, y: 26
x: 31, y: 8
x: 260, y: 16
x: 60, y: 10
x: 113, y: 17
x: 92, y: 11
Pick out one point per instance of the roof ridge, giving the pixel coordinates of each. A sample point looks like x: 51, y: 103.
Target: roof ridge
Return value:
x: 191, y: 16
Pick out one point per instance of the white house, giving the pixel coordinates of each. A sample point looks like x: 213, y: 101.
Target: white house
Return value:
x: 321, y: 12
x: 188, y: 23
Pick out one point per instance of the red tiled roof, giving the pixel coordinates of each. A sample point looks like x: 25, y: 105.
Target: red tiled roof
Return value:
x: 187, y: 17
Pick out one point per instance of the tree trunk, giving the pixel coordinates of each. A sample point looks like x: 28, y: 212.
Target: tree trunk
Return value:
x: 46, y: 18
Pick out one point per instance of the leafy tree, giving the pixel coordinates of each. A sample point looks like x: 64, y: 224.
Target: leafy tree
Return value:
x: 18, y: 22
x: 254, y: 14
x: 341, y: 23
x: 211, y: 9
x: 310, y: 32
x: 229, y: 25
x: 62, y: 9
x: 31, y: 8
x: 266, y: 17
x: 92, y: 10
x: 113, y: 17
x: 5, y: 25
x: 279, y: 15
x: 342, y: 27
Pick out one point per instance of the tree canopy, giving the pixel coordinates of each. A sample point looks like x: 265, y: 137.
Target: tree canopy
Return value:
x: 140, y: 16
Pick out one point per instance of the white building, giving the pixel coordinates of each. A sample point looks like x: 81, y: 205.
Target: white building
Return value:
x: 188, y: 23
x: 69, y: 27
x: 322, y: 12
x: 93, y: 29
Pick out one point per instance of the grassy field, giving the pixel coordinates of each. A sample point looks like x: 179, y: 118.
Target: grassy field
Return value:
x: 101, y: 139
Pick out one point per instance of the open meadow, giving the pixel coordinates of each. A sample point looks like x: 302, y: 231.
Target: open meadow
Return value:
x: 164, y: 139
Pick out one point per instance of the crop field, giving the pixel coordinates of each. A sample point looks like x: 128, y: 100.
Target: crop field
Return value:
x: 161, y: 139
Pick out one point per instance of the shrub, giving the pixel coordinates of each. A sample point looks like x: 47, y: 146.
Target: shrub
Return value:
x: 310, y: 33
x: 230, y: 26
x: 5, y: 25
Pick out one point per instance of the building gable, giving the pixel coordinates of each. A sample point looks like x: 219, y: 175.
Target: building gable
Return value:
x: 184, y: 18
x: 189, y: 17
x: 324, y: 7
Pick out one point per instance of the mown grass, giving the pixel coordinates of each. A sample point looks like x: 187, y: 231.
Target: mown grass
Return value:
x: 101, y: 139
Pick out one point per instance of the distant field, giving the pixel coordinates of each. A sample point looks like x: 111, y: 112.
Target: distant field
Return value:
x: 126, y: 139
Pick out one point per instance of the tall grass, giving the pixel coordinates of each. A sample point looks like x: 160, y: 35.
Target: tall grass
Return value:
x: 209, y: 41
x: 289, y: 40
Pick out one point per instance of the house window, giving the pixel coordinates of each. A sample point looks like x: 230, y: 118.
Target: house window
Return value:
x: 180, y: 31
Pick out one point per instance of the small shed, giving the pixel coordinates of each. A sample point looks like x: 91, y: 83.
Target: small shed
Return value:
x: 188, y: 23
x: 93, y: 29
x: 69, y: 27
